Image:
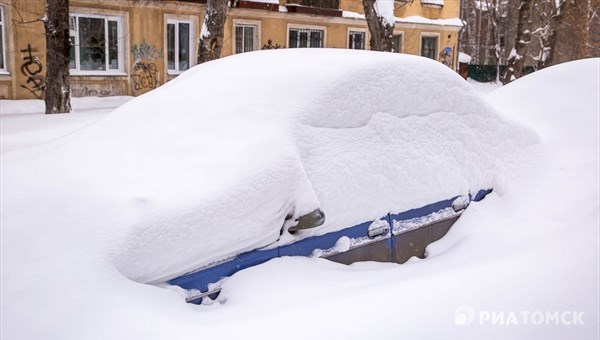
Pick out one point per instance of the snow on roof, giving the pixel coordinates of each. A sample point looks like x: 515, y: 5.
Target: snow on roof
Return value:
x: 352, y: 15
x: 210, y: 164
x: 433, y: 2
x: 416, y: 19
x: 440, y: 22
x: 464, y: 58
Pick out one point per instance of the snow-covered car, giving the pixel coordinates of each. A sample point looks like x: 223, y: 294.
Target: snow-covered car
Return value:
x: 380, y: 143
x: 206, y: 175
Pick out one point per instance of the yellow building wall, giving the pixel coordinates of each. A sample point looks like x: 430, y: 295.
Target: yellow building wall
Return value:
x: 451, y: 9
x: 26, y: 51
x: 144, y: 40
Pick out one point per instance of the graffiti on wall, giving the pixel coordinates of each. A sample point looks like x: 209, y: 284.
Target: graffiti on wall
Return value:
x: 446, y: 56
x: 92, y: 92
x: 269, y: 45
x: 32, y: 69
x: 144, y: 74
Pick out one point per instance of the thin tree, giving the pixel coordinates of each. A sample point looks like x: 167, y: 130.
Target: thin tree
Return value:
x: 213, y: 30
x: 551, y: 20
x: 516, y: 59
x: 380, y: 19
x: 496, y: 9
x: 58, y: 88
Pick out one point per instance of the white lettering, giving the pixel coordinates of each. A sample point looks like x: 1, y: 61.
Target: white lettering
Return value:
x: 578, y: 318
x: 497, y: 318
x: 552, y: 317
x: 537, y: 318
x: 525, y: 316
x: 484, y: 316
x: 512, y: 319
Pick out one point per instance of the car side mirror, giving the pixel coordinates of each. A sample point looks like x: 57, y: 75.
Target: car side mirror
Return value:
x: 310, y: 220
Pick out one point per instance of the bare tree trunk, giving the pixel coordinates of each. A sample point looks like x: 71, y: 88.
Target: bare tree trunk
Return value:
x: 58, y: 87
x: 213, y: 30
x: 578, y: 18
x: 468, y: 42
x: 516, y: 59
x: 548, y: 39
x: 494, y: 18
x: 381, y: 29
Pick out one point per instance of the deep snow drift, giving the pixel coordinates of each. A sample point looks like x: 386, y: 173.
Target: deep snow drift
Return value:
x: 531, y: 245
x: 207, y: 167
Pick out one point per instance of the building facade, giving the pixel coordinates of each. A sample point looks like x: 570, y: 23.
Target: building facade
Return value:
x: 129, y: 47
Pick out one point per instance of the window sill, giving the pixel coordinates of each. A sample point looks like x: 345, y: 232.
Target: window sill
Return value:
x: 174, y: 73
x: 4, y: 73
x: 97, y: 74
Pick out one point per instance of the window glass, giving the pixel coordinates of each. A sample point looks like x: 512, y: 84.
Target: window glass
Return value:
x: 96, y: 43
x: 248, y: 38
x: 299, y: 37
x: 2, y: 40
x: 244, y: 38
x: 293, y: 38
x: 397, y: 43
x: 239, y: 39
x: 171, y: 46
x: 1, y: 45
x: 356, y: 40
x: 178, y: 46
x: 315, y: 38
x: 113, y: 45
x: 429, y: 47
x: 92, y: 44
x: 72, y: 52
x: 184, y: 46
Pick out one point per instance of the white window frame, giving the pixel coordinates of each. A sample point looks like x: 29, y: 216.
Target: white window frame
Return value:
x: 4, y: 69
x: 257, y: 33
x: 176, y: 22
x: 120, y: 48
x: 358, y: 30
x: 401, y: 34
x: 430, y: 35
x: 306, y: 27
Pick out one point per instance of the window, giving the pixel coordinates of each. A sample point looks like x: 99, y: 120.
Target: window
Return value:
x: 96, y: 44
x: 429, y: 47
x: 356, y: 40
x: 2, y: 41
x: 306, y: 37
x: 246, y: 38
x: 397, y: 43
x: 179, y: 45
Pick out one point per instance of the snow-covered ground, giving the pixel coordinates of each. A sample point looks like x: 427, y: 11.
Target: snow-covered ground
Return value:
x: 525, y: 254
x: 484, y: 87
x: 23, y: 123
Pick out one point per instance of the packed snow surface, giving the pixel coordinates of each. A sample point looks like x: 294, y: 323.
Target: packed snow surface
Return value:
x: 175, y: 178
